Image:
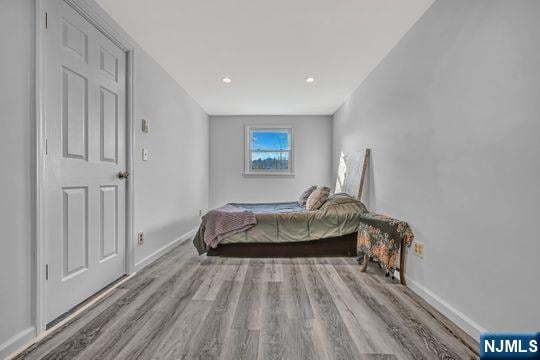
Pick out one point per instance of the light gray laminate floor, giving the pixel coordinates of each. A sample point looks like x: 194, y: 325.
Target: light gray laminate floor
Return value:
x: 188, y: 307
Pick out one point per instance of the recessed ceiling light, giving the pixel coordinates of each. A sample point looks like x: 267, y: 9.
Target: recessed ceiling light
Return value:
x: 226, y: 80
x: 310, y: 80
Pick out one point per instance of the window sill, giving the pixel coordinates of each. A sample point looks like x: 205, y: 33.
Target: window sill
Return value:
x: 284, y: 175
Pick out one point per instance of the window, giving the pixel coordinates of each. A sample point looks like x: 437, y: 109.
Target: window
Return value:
x: 269, y: 151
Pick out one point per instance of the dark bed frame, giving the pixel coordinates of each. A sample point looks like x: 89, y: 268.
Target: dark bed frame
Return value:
x: 336, y: 246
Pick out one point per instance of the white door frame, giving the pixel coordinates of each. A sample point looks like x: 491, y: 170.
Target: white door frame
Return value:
x: 96, y: 16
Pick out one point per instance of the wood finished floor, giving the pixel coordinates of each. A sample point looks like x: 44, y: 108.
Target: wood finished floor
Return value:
x: 187, y: 307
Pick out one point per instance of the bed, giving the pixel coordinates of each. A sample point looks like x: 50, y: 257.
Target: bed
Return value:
x: 289, y: 230
x: 342, y: 226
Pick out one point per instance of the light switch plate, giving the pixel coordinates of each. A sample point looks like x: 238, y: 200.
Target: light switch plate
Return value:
x: 145, y: 125
x: 145, y: 154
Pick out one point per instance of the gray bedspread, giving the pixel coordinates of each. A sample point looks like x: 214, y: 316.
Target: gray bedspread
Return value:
x: 288, y: 222
x: 268, y: 208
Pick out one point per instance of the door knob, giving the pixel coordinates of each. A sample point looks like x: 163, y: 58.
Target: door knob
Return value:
x: 123, y: 174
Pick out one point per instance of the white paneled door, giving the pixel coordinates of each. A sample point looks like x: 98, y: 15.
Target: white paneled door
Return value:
x: 85, y: 117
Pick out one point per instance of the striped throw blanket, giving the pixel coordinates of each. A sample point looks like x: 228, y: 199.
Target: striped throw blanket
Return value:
x: 225, y: 221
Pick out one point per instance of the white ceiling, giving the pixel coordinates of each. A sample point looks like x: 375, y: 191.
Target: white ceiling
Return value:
x: 267, y: 48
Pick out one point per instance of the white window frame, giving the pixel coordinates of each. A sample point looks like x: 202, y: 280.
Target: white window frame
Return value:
x: 248, y: 150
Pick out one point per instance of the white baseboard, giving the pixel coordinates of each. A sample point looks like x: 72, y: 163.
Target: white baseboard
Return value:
x: 12, y: 345
x: 461, y: 320
x: 16, y: 343
x: 159, y: 252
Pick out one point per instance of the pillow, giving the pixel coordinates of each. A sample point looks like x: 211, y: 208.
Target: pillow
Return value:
x: 317, y: 198
x: 303, y: 198
x: 341, y: 199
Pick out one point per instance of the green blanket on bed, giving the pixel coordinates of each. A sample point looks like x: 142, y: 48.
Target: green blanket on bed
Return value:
x: 288, y: 222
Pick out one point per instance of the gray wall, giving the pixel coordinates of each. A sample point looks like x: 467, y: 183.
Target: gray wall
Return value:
x: 172, y: 186
x: 312, y: 138
x: 169, y: 189
x: 16, y: 145
x: 453, y: 117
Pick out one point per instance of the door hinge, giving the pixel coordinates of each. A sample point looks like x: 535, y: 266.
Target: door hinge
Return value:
x: 46, y: 146
x: 47, y: 272
x: 46, y: 20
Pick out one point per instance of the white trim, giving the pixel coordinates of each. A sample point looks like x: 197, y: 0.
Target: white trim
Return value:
x: 34, y: 339
x: 461, y: 320
x: 27, y: 337
x: 40, y: 171
x: 93, y: 13
x: 11, y: 346
x: 130, y: 147
x: 247, y: 151
x: 161, y: 251
x: 266, y: 175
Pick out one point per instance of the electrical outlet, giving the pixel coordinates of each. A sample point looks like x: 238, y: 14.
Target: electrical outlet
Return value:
x: 200, y: 212
x: 140, y: 238
x: 418, y: 249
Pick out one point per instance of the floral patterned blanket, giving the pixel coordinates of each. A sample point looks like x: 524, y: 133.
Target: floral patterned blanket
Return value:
x: 381, y: 236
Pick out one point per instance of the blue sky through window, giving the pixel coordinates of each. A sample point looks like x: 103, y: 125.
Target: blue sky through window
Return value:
x: 269, y: 140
